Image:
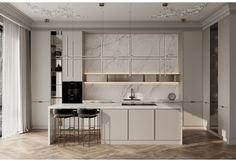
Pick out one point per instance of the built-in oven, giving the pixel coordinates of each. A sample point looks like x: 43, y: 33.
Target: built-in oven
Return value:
x: 72, y: 92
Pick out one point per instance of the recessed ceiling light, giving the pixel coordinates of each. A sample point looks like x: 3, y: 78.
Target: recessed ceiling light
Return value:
x: 46, y: 20
x: 183, y: 20
x: 164, y: 4
x: 101, y: 4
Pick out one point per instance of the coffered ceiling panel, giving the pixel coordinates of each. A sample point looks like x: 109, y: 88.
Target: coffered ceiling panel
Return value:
x: 117, y: 11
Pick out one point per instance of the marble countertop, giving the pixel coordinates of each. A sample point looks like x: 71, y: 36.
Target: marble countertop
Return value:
x: 116, y: 105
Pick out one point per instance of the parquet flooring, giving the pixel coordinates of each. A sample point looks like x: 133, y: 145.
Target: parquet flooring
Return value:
x: 198, y: 144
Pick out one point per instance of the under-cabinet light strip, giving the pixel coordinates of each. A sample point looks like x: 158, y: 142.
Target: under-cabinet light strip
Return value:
x: 175, y: 83
x: 132, y: 74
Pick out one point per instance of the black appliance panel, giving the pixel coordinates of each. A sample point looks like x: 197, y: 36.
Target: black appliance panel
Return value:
x: 72, y: 92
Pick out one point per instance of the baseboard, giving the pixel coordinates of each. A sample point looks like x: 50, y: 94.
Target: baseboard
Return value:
x: 39, y: 127
x: 232, y: 141
x: 214, y: 133
x: 194, y: 128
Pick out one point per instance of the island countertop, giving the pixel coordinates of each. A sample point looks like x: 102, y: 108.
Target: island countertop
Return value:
x: 115, y: 105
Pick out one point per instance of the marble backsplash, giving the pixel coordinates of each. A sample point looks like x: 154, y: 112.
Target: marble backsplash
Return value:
x: 147, y: 91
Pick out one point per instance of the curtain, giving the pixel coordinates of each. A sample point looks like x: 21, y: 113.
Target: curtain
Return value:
x: 16, y: 80
x: 11, y: 78
x: 25, y: 89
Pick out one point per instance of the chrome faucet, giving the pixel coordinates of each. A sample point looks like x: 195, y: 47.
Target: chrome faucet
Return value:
x: 132, y: 96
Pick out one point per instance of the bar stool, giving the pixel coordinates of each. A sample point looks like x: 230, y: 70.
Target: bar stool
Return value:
x: 60, y: 116
x: 90, y: 114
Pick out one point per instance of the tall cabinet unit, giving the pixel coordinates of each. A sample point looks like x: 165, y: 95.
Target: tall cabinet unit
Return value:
x: 56, y: 67
x: 223, y: 78
x: 72, y: 50
x: 40, y: 78
x: 192, y: 83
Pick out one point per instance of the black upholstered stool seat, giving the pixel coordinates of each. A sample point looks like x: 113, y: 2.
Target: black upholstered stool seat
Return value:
x: 90, y: 113
x: 60, y: 115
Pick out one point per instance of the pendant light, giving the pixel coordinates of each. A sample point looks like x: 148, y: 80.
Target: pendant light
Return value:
x: 101, y: 5
x: 130, y: 42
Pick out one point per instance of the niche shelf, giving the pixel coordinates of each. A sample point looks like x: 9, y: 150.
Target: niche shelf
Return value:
x: 130, y: 78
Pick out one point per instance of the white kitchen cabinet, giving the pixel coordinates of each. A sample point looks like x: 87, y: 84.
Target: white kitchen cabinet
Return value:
x: 224, y: 78
x: 168, y: 125
x: 115, y: 66
x: 206, y: 77
x: 72, y: 55
x: 39, y: 115
x: 192, y: 81
x: 115, y: 45
x: 40, y: 78
x: 40, y: 65
x: 141, y: 125
x: 193, y: 115
x: 114, y: 125
x: 171, y: 45
x: 148, y: 44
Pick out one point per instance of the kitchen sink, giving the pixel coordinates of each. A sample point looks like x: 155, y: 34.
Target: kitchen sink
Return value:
x: 138, y: 104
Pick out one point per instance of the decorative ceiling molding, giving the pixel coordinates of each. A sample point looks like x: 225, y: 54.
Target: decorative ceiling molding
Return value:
x: 119, y: 25
x: 167, y: 12
x: 219, y: 14
x: 12, y: 13
x: 65, y: 11
x: 9, y: 11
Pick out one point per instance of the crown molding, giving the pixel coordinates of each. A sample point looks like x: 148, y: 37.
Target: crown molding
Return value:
x: 116, y: 25
x: 216, y: 16
x: 9, y: 11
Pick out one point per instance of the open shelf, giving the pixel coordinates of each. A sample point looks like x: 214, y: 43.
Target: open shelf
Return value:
x: 143, y: 78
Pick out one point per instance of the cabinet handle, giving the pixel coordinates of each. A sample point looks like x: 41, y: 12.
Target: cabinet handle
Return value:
x: 40, y: 101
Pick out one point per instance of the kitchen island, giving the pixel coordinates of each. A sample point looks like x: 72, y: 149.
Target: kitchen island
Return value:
x: 131, y: 124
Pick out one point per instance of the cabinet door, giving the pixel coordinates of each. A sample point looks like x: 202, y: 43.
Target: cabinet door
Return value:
x: 193, y: 114
x: 72, y: 53
x: 39, y: 115
x: 114, y: 125
x: 141, y: 124
x: 193, y: 66
x: 78, y: 44
x: 168, y: 125
x: 223, y: 122
x: 77, y: 70
x: 67, y: 69
x: 40, y: 65
x: 192, y: 82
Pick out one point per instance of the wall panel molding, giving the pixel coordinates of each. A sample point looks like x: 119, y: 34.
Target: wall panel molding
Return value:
x: 118, y: 26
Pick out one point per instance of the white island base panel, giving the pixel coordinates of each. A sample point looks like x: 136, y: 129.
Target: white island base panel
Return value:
x: 161, y: 124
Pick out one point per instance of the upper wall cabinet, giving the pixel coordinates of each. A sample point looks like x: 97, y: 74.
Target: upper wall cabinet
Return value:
x: 93, y: 45
x: 131, y: 54
x: 148, y: 45
x: 72, y: 55
x: 115, y: 45
x: 171, y: 45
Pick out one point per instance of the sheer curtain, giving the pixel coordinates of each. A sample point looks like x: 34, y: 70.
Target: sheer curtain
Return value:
x: 11, y: 78
x: 15, y: 99
x: 25, y: 83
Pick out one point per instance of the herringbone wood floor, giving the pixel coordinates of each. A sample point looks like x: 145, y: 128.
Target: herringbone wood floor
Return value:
x: 197, y: 145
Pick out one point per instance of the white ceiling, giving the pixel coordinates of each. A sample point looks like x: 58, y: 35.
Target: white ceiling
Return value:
x: 110, y: 12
